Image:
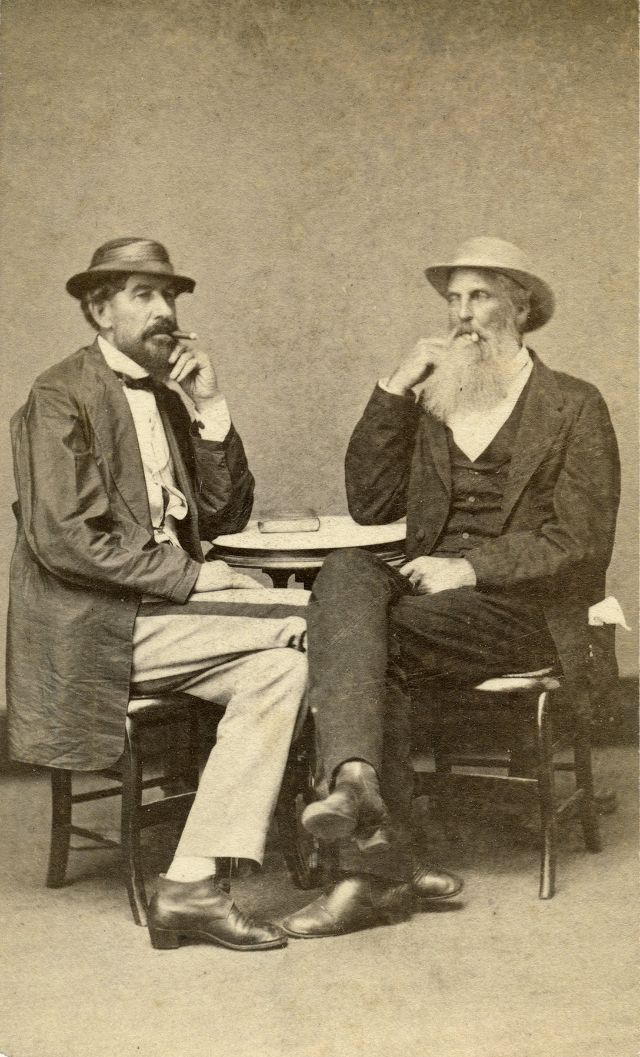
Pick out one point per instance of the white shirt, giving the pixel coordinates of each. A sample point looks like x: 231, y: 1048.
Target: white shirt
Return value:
x: 473, y: 431
x: 167, y: 504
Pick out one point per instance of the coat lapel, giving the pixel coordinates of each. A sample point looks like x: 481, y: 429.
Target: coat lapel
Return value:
x: 116, y: 434
x: 539, y: 426
x: 439, y: 449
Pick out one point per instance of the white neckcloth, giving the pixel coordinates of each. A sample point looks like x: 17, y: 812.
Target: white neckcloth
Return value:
x: 167, y: 504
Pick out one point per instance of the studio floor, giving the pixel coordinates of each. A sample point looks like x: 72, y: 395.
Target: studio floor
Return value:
x: 497, y: 974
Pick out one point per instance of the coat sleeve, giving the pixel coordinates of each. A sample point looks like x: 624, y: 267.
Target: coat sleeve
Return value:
x: 579, y: 535
x: 223, y: 485
x: 378, y: 460
x: 71, y: 525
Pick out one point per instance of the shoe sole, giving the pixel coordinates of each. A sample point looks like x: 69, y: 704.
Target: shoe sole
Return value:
x: 321, y: 935
x: 381, y: 918
x: 437, y: 898
x: 168, y: 939
x: 377, y: 842
x: 327, y: 825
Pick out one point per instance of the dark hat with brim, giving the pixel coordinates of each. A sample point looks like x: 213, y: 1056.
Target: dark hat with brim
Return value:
x: 496, y: 255
x: 128, y: 256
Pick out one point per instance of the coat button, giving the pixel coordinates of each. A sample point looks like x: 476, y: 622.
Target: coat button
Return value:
x: 420, y: 534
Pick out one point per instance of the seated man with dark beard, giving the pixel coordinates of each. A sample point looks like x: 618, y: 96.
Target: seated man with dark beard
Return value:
x: 508, y: 475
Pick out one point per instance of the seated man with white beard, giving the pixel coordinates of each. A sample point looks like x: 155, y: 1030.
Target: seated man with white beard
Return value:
x: 508, y: 475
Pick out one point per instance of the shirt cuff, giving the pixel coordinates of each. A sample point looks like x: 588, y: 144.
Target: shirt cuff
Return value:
x: 409, y: 396
x: 215, y: 418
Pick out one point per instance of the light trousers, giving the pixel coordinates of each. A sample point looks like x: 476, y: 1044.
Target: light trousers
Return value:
x: 243, y: 650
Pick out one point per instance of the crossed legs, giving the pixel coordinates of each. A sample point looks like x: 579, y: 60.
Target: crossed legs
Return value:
x: 367, y: 631
x: 254, y: 667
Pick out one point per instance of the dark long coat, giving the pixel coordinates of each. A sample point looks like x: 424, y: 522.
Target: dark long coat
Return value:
x: 560, y: 501
x: 85, y: 554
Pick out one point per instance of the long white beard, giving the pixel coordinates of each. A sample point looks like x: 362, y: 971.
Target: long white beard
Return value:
x: 470, y: 376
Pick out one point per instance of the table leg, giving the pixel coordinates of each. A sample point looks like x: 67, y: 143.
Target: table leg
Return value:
x: 306, y: 577
x: 279, y: 577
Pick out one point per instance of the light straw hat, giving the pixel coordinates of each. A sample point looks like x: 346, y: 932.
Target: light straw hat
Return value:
x: 496, y: 255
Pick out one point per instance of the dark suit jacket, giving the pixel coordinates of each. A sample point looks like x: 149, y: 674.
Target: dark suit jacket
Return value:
x: 85, y: 554
x: 560, y: 502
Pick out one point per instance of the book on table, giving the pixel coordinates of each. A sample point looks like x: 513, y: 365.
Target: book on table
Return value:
x: 289, y: 521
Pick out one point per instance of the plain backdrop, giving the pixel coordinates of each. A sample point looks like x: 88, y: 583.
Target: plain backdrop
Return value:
x: 304, y: 160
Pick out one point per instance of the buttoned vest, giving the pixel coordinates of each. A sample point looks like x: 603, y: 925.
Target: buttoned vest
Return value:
x: 477, y: 489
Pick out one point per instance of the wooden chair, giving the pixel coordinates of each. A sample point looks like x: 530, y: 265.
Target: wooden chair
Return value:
x: 535, y: 701
x: 300, y: 850
x: 178, y: 780
x: 162, y: 713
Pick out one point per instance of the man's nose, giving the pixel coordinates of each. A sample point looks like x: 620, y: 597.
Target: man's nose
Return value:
x: 162, y: 307
x: 465, y: 311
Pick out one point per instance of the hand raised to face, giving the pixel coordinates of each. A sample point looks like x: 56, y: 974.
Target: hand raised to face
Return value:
x: 416, y: 366
x: 192, y: 369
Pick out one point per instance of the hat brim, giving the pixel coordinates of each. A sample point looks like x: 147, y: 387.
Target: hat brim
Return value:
x: 542, y: 300
x: 78, y: 284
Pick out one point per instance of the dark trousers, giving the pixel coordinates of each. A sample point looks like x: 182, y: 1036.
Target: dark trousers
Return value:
x: 368, y: 635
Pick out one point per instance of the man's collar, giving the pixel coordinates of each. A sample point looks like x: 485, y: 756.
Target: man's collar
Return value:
x: 118, y: 361
x: 521, y: 361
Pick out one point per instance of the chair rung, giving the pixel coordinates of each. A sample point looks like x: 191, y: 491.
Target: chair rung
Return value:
x: 575, y: 798
x: 433, y: 779
x: 160, y: 810
x: 96, y: 794
x: 459, y: 760
x: 154, y: 783
x: 78, y: 831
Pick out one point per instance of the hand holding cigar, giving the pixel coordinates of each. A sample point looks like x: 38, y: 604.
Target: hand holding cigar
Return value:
x: 191, y: 367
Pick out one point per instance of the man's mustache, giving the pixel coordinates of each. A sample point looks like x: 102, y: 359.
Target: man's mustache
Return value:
x: 163, y: 326
x: 466, y: 329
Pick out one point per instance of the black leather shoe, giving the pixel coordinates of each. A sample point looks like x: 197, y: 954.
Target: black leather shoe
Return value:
x: 201, y: 910
x: 430, y: 883
x: 354, y: 807
x: 355, y: 903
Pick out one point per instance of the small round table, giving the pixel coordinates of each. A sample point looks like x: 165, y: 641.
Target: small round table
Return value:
x: 279, y: 554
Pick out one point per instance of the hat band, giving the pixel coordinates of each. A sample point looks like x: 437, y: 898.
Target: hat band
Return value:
x: 142, y: 266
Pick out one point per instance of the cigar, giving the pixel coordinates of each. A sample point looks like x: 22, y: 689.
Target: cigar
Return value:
x: 184, y: 335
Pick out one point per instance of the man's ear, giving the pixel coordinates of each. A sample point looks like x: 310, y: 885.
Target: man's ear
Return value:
x: 101, y: 312
x: 521, y: 319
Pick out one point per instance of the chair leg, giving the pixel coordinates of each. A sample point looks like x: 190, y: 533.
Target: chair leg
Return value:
x: 60, y: 827
x: 300, y: 852
x: 546, y: 798
x: 193, y: 750
x: 130, y: 825
x: 584, y: 782
x: 443, y: 768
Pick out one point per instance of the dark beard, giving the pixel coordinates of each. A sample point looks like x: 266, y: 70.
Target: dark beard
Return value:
x: 152, y: 350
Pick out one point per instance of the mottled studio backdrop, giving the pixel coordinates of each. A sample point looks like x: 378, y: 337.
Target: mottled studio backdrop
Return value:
x: 303, y: 159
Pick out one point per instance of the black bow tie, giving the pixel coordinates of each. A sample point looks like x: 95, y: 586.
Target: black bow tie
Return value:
x: 147, y: 382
